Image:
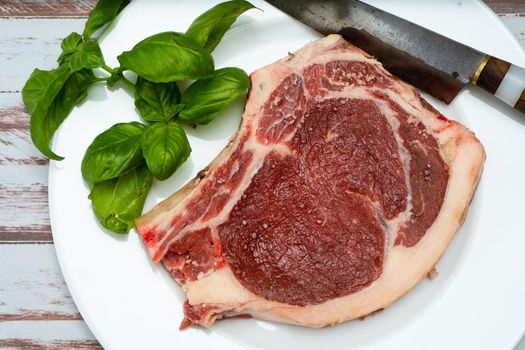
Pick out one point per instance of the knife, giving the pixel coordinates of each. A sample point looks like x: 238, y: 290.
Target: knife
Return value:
x: 436, y: 64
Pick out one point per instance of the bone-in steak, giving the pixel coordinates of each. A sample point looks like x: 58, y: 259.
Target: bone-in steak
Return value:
x: 339, y: 192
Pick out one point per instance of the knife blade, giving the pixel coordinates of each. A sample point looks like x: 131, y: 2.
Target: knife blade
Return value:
x: 434, y: 63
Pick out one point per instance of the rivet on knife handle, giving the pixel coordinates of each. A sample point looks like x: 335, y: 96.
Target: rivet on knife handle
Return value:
x: 502, y: 79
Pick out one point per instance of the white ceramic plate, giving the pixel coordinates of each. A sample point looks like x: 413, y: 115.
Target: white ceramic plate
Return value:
x: 478, y: 300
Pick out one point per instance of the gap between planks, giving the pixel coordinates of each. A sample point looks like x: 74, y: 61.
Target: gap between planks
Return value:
x: 24, y: 213
x: 506, y: 6
x: 40, y: 316
x: 35, y: 302
x: 66, y: 8
x: 34, y: 8
x: 32, y: 285
x: 30, y: 344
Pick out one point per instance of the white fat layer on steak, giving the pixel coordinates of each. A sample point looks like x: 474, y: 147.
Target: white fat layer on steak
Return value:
x: 403, y: 267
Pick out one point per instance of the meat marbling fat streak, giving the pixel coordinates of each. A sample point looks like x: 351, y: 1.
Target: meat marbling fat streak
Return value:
x: 339, y: 192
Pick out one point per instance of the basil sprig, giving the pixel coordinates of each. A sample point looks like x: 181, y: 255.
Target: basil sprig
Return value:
x: 51, y: 95
x: 121, y: 162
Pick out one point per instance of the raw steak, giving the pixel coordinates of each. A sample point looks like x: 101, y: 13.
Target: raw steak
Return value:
x: 339, y: 192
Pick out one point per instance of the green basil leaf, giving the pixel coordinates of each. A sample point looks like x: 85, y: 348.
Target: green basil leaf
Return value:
x: 38, y: 95
x: 113, y: 152
x: 167, y: 57
x: 49, y: 108
x: 205, y: 99
x: 209, y: 28
x: 72, y: 93
x: 87, y: 55
x: 156, y: 101
x: 104, y: 12
x: 39, y: 86
x: 165, y: 148
x: 117, y: 203
x: 69, y: 45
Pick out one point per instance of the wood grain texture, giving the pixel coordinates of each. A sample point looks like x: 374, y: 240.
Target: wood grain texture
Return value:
x: 35, y: 8
x: 516, y: 24
x: 506, y: 6
x: 39, y: 316
x: 36, y: 309
x: 30, y: 43
x: 24, y: 215
x: 31, y: 344
x: 46, y: 335
x: 32, y: 287
x: 520, y: 105
x: 16, y: 147
x: 65, y: 8
x: 492, y: 75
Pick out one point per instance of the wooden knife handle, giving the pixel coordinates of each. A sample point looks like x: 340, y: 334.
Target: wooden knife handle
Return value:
x: 502, y: 79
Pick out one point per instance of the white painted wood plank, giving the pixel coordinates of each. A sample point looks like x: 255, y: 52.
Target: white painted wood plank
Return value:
x: 39, y: 8
x: 15, y: 142
x: 36, y: 309
x: 516, y: 24
x: 32, y: 286
x: 64, y: 330
x: 51, y: 335
x: 23, y: 177
x: 29, y: 43
x: 506, y: 6
x: 24, y: 214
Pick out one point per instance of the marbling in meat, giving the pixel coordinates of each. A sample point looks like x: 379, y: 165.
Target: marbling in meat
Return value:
x: 339, y: 192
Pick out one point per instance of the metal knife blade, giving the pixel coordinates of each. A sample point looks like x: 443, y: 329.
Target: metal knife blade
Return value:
x: 427, y: 60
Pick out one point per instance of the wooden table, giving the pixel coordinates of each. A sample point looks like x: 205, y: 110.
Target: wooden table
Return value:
x: 36, y: 310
